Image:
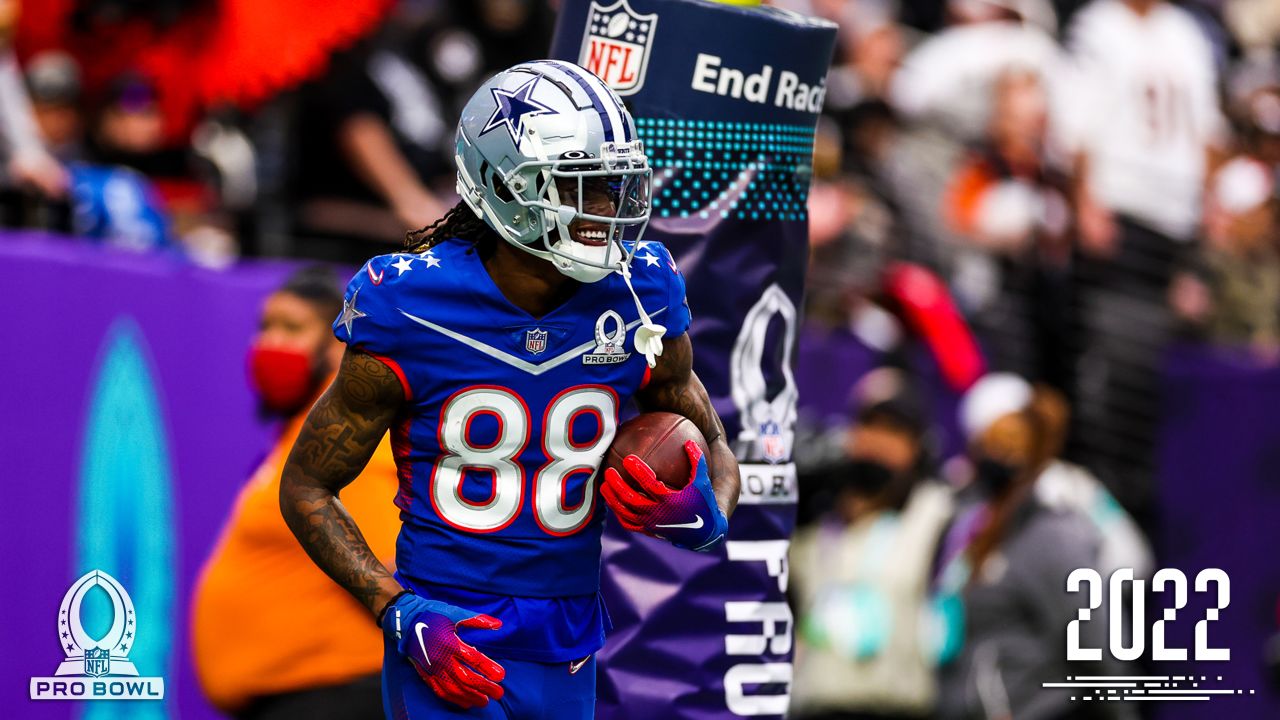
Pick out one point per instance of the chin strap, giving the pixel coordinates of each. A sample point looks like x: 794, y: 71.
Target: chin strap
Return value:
x: 649, y: 334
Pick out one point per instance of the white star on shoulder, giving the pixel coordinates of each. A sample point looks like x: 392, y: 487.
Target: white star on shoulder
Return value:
x: 432, y: 260
x: 651, y: 260
x: 404, y: 264
x: 349, y: 312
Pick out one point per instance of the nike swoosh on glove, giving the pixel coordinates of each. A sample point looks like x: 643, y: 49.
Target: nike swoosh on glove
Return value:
x: 425, y: 631
x: 688, y: 518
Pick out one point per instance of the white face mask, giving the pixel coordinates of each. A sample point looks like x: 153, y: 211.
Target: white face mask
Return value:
x: 577, y: 251
x: 570, y: 250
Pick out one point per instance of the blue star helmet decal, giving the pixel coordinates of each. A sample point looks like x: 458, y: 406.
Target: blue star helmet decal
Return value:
x: 513, y: 107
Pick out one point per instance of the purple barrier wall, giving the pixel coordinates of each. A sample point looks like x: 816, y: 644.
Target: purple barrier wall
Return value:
x: 1219, y: 486
x: 89, y: 323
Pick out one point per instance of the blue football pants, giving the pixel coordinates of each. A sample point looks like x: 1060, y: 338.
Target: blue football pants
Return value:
x: 531, y: 691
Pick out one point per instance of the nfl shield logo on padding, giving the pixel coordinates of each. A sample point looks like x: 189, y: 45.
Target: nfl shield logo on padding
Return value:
x: 616, y: 45
x: 535, y: 341
x: 771, y: 444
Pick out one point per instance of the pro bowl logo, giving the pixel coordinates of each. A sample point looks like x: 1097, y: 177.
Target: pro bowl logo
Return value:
x: 616, y: 45
x: 97, y: 668
x: 610, y: 344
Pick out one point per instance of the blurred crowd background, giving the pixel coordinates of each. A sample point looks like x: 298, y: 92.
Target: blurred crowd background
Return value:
x: 1018, y: 206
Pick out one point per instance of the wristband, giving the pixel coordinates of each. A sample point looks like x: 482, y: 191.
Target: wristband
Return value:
x: 383, y: 612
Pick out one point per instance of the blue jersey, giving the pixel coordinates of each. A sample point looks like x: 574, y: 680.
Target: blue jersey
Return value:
x: 506, y: 421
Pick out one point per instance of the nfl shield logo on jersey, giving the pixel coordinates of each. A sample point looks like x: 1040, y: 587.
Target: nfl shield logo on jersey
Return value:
x: 535, y: 341
x: 616, y: 45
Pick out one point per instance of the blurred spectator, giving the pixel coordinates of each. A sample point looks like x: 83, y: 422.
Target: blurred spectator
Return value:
x: 53, y: 81
x: 944, y: 89
x: 1008, y: 555
x: 116, y: 205
x: 1258, y: 115
x: 860, y: 575
x: 26, y: 163
x: 1232, y: 296
x: 385, y: 120
x: 1145, y: 120
x: 869, y: 49
x: 258, y: 586
x: 142, y: 191
x: 129, y: 130
x: 1013, y: 209
x: 1255, y: 24
x: 851, y: 206
x: 948, y: 78
x: 387, y: 109
x: 120, y: 207
x: 1064, y: 485
x: 1143, y: 161
x: 850, y: 218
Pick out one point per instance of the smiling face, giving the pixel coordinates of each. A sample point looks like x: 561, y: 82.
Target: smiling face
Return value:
x: 597, y: 199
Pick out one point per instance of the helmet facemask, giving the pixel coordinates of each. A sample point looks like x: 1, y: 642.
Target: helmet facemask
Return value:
x: 582, y: 213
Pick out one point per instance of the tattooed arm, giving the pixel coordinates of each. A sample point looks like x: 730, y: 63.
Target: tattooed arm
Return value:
x: 336, y: 441
x: 674, y: 387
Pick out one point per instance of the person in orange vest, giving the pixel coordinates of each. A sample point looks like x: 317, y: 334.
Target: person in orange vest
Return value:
x: 250, y: 662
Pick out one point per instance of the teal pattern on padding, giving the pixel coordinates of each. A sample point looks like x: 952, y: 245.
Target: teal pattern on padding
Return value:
x: 125, y: 520
x: 748, y: 171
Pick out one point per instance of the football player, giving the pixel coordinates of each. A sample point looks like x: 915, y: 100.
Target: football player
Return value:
x: 499, y: 351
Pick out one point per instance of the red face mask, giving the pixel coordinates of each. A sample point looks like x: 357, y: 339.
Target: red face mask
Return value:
x: 283, y: 379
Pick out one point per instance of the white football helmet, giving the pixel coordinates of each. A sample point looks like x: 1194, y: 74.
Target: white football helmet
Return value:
x: 539, y: 148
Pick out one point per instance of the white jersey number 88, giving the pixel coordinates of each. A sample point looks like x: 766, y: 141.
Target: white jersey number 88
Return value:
x: 502, y: 458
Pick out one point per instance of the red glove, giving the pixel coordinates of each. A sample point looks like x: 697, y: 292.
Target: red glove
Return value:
x: 687, y: 518
x: 425, y: 631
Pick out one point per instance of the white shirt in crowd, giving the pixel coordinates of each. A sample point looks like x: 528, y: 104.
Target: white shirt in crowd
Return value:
x: 1145, y: 110
x: 948, y: 77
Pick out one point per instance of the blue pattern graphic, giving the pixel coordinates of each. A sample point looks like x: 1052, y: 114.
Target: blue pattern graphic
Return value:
x: 125, y: 511
x: 743, y: 170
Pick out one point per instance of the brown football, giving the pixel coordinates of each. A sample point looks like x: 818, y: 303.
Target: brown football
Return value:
x: 658, y: 438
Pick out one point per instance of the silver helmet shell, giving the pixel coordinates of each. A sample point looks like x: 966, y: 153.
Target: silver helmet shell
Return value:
x: 532, y: 134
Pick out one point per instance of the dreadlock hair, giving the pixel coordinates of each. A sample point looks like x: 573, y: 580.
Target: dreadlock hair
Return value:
x: 459, y: 222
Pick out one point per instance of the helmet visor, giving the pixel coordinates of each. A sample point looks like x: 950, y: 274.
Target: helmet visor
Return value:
x: 596, y: 202
x: 604, y: 198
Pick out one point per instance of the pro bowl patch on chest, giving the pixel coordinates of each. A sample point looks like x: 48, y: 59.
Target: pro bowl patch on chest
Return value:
x: 611, y: 341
